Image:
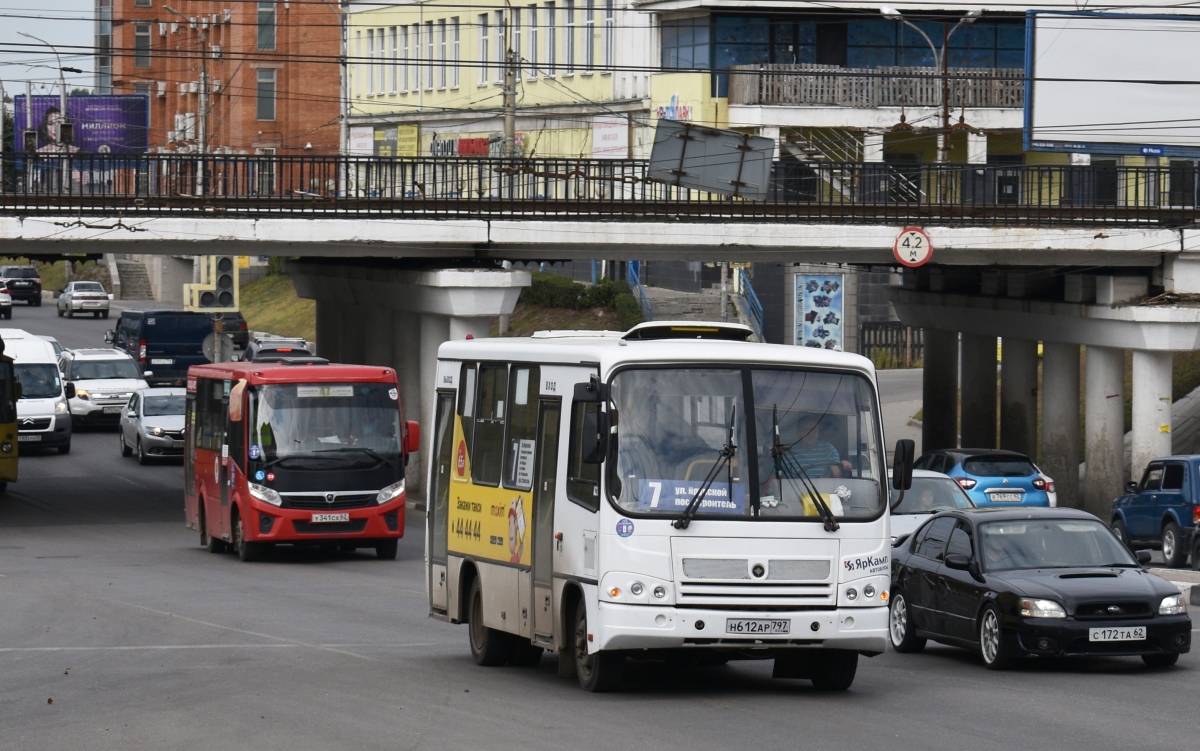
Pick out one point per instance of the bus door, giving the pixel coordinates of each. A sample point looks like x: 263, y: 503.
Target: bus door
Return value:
x: 543, y: 521
x: 439, y: 494
x: 222, y: 426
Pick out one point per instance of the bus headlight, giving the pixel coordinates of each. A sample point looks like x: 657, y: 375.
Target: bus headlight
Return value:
x: 6, y: 447
x: 390, y: 493
x: 60, y: 407
x: 265, y: 494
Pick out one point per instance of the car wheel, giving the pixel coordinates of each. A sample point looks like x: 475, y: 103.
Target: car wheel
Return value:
x: 60, y: 312
x: 37, y: 302
x: 1174, y: 553
x: 247, y: 551
x: 65, y: 448
x: 125, y: 450
x: 833, y: 669
x: 489, y: 646
x: 386, y: 550
x: 70, y: 314
x: 993, y: 647
x: 901, y: 629
x: 141, y: 453
x: 104, y: 314
x: 1118, y: 528
x: 598, y: 672
x: 1161, y: 661
x: 95, y: 314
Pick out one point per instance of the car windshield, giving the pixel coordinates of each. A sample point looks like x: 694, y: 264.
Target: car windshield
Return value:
x: 998, y: 466
x: 672, y: 424
x: 177, y: 327
x: 157, y: 406
x: 20, y: 272
x: 1050, y: 543
x: 930, y: 494
x: 306, y: 419
x: 89, y: 287
x: 38, y: 381
x: 99, y: 370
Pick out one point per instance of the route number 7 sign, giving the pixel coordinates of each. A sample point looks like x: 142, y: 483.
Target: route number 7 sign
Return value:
x: 912, y: 247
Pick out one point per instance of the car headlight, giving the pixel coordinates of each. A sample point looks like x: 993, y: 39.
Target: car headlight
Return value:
x: 156, y: 431
x: 81, y: 393
x: 265, y: 494
x: 1042, y: 609
x: 390, y: 493
x: 60, y: 407
x: 1173, y: 605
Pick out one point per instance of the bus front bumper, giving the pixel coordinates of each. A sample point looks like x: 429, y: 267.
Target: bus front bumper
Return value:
x: 647, y: 627
x: 271, y: 524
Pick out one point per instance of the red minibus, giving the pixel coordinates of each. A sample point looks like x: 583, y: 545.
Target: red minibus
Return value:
x: 299, y: 454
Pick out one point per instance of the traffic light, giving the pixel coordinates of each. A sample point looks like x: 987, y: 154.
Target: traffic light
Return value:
x: 217, y: 290
x: 66, y: 133
x: 29, y: 140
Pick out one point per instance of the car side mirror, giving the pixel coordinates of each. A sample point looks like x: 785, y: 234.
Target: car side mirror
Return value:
x: 148, y: 374
x: 412, y: 436
x: 235, y: 358
x: 1131, y: 487
x: 957, y: 561
x: 131, y: 414
x: 1143, y: 556
x: 109, y: 336
x: 70, y: 390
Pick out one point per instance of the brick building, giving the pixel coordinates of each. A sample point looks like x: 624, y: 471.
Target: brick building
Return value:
x: 272, y: 69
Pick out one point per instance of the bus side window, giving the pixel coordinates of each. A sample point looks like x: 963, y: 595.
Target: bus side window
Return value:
x: 583, y: 480
x: 487, y: 451
x: 466, y: 403
x: 522, y: 427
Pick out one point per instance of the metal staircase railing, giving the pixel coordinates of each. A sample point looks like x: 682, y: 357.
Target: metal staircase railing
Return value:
x: 749, y: 302
x: 639, y: 292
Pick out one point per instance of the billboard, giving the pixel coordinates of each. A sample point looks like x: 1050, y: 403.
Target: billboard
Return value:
x: 819, y: 310
x: 104, y: 124
x: 1112, y: 83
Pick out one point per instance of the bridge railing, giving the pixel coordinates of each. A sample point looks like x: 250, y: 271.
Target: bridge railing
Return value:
x: 800, y: 190
x: 639, y: 292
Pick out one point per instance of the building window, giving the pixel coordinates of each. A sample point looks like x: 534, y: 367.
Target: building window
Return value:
x: 380, y: 60
x: 141, y: 45
x: 104, y: 47
x: 589, y: 37
x: 532, y: 20
x: 141, y: 3
x: 429, y: 55
x: 516, y: 39
x: 569, y: 47
x: 501, y: 47
x: 403, y: 62
x: 484, y: 38
x: 266, y: 94
x: 266, y: 25
x: 416, y: 53
x: 395, y: 66
x: 143, y: 87
x: 370, y: 62
x: 442, y: 53
x: 686, y: 44
x: 551, y: 40
x: 456, y: 57
x: 358, y: 67
x: 610, y: 25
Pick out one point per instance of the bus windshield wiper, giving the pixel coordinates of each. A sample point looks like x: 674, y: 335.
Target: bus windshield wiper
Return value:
x: 723, y: 460
x: 784, y: 460
x: 361, y: 449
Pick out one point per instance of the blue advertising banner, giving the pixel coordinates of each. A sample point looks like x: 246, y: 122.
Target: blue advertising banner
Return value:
x: 103, y: 123
x: 819, y: 310
x: 674, y: 495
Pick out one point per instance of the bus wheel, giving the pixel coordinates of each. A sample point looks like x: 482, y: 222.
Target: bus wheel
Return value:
x: 212, y: 542
x: 833, y: 669
x: 489, y: 646
x: 600, y: 671
x: 247, y: 551
x: 386, y: 550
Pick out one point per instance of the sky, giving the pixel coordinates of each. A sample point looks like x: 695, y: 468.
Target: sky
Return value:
x: 67, y: 24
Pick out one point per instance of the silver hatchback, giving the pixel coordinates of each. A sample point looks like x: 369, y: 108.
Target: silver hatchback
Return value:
x: 152, y: 424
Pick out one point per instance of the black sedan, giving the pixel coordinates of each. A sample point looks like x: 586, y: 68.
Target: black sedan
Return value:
x: 1014, y: 582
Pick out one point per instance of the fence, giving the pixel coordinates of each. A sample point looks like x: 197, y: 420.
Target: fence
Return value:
x: 750, y: 303
x: 482, y: 188
x: 876, y: 87
x: 891, y: 344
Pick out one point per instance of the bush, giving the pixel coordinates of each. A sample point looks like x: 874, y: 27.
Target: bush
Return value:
x: 553, y: 291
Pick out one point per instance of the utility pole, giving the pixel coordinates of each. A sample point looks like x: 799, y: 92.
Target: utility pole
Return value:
x: 3, y: 113
x: 202, y: 146
x: 510, y: 88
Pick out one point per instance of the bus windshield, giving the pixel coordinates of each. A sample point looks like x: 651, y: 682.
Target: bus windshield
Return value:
x: 38, y: 381
x: 295, y: 420
x: 797, y: 433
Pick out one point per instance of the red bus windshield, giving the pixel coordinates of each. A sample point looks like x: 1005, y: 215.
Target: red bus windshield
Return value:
x: 325, y: 420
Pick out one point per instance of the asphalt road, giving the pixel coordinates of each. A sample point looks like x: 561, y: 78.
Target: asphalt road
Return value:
x: 117, y: 631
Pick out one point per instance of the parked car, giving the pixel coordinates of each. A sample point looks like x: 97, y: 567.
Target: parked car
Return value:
x: 276, y: 347
x: 83, y: 297
x: 236, y: 327
x: 993, y: 476
x: 165, y: 343
x: 23, y: 282
x: 152, y: 424
x: 1016, y: 582
x: 1161, y: 511
x: 5, y: 302
x: 930, y: 493
x: 104, y: 380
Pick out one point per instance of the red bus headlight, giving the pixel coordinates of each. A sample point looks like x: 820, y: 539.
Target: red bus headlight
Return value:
x: 390, y: 493
x: 265, y: 494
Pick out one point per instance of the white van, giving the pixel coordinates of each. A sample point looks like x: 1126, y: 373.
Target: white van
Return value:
x: 43, y: 413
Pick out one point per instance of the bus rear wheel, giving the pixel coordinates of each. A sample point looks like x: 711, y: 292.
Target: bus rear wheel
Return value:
x: 247, y: 551
x: 489, y: 646
x: 598, y: 672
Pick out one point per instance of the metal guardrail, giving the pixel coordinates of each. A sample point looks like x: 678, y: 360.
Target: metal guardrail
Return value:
x: 750, y: 302
x: 894, y: 86
x: 639, y: 292
x: 599, y: 189
x: 892, y: 344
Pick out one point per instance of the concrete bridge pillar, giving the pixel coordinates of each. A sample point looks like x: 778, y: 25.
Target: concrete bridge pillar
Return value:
x: 1151, y: 408
x: 939, y: 422
x: 978, y: 391
x: 1018, y: 395
x: 329, y: 330
x: 1060, y: 419
x: 1104, y: 423
x: 377, y: 336
x: 353, y: 329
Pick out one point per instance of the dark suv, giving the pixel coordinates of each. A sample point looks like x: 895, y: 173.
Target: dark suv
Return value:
x: 163, y: 342
x: 23, y: 282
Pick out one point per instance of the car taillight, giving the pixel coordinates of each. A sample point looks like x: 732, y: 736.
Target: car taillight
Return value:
x: 242, y: 326
x: 1196, y: 514
x: 966, y: 482
x: 142, y: 350
x: 1039, y: 483
x: 39, y: 281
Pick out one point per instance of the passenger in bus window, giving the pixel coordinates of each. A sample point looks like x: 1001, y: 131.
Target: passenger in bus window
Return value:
x: 817, y: 457
x: 639, y: 457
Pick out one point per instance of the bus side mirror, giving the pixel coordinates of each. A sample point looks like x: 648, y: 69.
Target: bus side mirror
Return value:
x: 902, y: 464
x: 412, y: 436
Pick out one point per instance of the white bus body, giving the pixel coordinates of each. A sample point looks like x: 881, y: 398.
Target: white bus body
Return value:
x: 537, y: 548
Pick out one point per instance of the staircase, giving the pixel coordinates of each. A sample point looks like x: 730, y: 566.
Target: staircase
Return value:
x: 672, y: 305
x: 135, y: 282
x: 831, y: 153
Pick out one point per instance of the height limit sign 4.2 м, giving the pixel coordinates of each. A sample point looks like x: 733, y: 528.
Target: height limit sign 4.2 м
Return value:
x: 912, y: 247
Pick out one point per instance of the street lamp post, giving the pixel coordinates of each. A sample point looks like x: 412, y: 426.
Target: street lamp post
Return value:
x: 343, y: 95
x: 62, y: 105
x: 202, y: 147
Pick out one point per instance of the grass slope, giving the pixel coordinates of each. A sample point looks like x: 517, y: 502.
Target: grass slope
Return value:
x: 271, y: 305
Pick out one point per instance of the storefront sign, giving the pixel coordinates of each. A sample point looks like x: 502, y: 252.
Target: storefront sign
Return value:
x: 674, y: 110
x: 489, y: 146
x: 610, y: 138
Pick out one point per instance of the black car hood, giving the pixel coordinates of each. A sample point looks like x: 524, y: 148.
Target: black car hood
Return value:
x: 1070, y: 586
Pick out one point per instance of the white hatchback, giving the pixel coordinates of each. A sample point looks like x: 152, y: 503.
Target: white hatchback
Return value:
x: 930, y: 493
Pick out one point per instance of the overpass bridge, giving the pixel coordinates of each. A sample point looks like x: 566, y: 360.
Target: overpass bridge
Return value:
x: 1066, y: 256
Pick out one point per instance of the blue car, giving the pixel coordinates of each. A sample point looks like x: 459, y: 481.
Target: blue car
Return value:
x: 1161, y: 511
x: 993, y: 477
